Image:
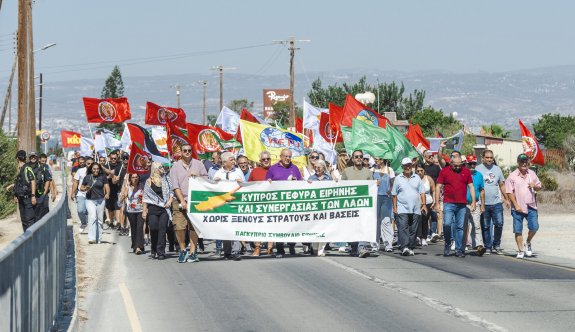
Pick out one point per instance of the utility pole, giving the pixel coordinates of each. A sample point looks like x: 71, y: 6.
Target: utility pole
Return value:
x: 31, y: 86
x: 22, y: 54
x: 221, y: 69
x: 291, y: 47
x: 40, y: 105
x: 204, y: 83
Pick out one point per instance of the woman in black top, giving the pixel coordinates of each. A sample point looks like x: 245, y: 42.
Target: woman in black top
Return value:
x: 158, y: 196
x: 95, y: 184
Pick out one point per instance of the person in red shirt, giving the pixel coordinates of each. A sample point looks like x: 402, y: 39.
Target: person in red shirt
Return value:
x: 454, y: 181
x: 259, y: 174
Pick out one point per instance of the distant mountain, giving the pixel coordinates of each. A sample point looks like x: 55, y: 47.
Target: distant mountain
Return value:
x: 478, y: 98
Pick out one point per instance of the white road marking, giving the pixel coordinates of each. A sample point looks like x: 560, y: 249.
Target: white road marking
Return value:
x: 436, y: 304
x: 130, y: 308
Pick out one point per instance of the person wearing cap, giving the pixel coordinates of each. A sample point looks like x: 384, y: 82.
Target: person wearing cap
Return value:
x: 357, y: 172
x: 474, y: 217
x: 495, y: 197
x: 24, y: 189
x: 454, y: 181
x: 384, y: 175
x: 408, y: 198
x: 521, y: 187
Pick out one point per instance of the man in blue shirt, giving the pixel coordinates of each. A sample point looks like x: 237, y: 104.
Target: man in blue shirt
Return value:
x: 474, y: 216
x: 408, y: 197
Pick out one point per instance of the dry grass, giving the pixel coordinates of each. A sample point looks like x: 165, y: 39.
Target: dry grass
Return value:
x: 563, y: 199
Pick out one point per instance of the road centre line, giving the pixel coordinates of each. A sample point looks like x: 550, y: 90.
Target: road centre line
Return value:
x: 436, y: 304
x: 130, y: 308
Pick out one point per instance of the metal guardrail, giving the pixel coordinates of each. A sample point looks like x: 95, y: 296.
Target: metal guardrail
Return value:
x: 32, y: 273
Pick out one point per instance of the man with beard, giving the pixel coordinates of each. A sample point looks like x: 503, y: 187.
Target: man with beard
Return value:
x: 180, y: 173
x: 454, y: 181
x: 112, y: 169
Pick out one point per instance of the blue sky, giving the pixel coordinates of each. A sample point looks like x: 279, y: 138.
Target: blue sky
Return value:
x: 457, y: 36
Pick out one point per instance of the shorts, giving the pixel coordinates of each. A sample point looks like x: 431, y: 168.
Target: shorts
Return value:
x: 532, y: 220
x: 180, y: 218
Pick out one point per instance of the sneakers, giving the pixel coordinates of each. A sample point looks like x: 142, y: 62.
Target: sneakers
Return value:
x: 423, y: 243
x: 528, y: 250
x: 405, y: 252
x: 434, y: 237
x: 81, y: 229
x: 459, y: 254
x: 480, y: 250
x: 183, y: 256
x: 389, y: 249
x: 446, y: 252
x: 279, y: 256
x: 452, y: 245
x: 520, y: 254
x: 363, y: 253
x: 497, y: 251
x: 411, y: 253
x: 192, y: 258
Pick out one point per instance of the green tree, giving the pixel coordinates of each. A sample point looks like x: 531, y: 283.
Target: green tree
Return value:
x: 8, y: 175
x: 431, y: 120
x: 552, y: 129
x: 211, y: 119
x: 113, y: 88
x: 389, y: 96
x: 496, y: 130
x: 281, y: 114
x: 238, y: 104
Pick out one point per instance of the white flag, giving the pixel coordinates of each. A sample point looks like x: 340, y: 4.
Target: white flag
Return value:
x: 323, y: 146
x: 311, y: 115
x: 100, y: 143
x: 126, y: 140
x: 86, y: 146
x: 452, y: 143
x: 160, y: 137
x: 228, y: 120
x: 110, y: 140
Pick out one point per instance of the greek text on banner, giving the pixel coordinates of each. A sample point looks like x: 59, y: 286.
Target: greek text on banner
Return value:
x: 290, y: 211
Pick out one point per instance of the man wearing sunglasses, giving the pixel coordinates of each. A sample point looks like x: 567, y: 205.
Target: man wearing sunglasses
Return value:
x: 180, y: 173
x: 357, y: 172
x: 454, y: 181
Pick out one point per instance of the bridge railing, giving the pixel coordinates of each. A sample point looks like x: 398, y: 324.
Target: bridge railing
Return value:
x: 32, y: 273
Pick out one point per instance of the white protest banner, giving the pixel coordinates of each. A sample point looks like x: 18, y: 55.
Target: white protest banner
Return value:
x: 284, y: 211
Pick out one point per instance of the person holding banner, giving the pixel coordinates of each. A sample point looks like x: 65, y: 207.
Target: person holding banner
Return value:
x: 384, y: 175
x: 284, y: 170
x: 180, y: 175
x: 158, y: 197
x: 229, y: 172
x: 259, y: 174
x: 357, y: 172
x: 408, y: 197
x: 320, y: 174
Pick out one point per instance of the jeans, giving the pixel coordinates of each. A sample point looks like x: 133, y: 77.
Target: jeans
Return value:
x: 493, y: 215
x: 454, y: 218
x: 407, y: 225
x: 532, y: 220
x: 82, y: 212
x: 474, y: 221
x: 95, y: 219
x: 384, y: 227
x: 433, y: 217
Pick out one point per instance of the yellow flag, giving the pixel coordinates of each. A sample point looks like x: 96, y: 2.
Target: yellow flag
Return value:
x: 258, y: 137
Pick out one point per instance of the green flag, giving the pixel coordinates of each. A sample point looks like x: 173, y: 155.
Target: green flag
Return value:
x: 402, y: 148
x: 371, y: 139
x: 347, y: 136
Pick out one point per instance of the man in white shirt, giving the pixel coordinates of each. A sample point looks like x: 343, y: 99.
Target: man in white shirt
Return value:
x: 80, y: 196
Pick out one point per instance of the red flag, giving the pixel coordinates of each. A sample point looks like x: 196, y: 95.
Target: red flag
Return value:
x: 139, y: 161
x: 176, y: 138
x: 531, y: 146
x: 245, y: 115
x: 156, y: 115
x: 415, y: 136
x: 335, y: 115
x: 70, y: 139
x: 110, y: 110
x: 205, y: 139
x: 326, y: 131
x: 298, y: 125
x: 353, y: 109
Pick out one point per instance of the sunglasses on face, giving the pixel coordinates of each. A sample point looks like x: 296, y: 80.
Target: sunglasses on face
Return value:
x: 359, y: 156
x: 313, y: 157
x: 265, y: 159
x: 113, y: 158
x: 186, y: 150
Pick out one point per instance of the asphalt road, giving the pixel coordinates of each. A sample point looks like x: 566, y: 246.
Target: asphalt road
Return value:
x: 425, y: 292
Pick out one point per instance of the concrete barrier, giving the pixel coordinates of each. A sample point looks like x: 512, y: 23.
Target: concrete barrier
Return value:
x: 32, y: 273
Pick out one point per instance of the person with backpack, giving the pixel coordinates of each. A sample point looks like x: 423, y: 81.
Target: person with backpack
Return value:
x: 97, y: 190
x: 24, y: 187
x: 43, y: 180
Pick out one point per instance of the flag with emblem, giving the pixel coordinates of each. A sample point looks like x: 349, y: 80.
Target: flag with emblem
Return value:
x: 157, y: 115
x: 109, y: 110
x: 531, y: 146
